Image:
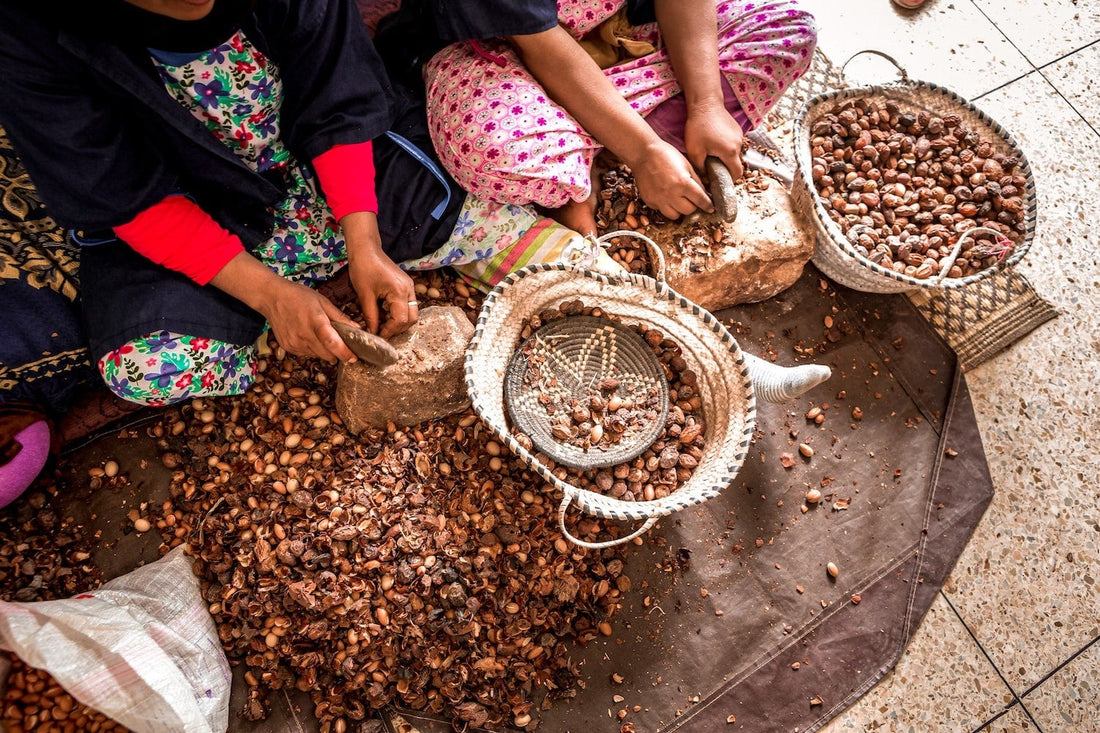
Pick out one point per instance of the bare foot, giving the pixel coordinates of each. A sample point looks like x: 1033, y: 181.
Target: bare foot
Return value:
x: 580, y: 216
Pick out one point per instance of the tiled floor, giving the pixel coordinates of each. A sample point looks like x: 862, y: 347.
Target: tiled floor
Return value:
x: 1011, y: 643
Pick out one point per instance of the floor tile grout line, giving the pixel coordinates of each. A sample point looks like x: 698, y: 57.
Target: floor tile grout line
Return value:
x: 1034, y: 67
x: 998, y: 716
x: 1031, y: 689
x: 1065, y: 56
x: 999, y: 87
x: 1059, y: 668
x: 1016, y: 698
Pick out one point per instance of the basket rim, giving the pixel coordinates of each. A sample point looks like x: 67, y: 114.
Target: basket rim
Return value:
x: 587, y: 500
x: 836, y: 238
x: 602, y: 458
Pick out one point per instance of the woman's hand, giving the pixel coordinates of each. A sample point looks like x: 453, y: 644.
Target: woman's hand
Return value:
x: 667, y: 182
x: 298, y: 315
x: 712, y: 130
x: 376, y: 278
x: 300, y: 318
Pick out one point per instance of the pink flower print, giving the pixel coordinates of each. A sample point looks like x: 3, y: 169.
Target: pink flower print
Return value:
x: 207, y: 379
x: 479, y: 234
x: 199, y: 344
x: 150, y: 362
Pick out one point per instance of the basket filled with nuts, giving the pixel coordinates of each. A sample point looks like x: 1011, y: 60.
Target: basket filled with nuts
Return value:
x: 910, y: 186
x: 632, y: 443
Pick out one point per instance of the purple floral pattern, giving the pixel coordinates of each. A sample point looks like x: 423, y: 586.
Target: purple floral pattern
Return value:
x: 162, y: 368
x: 237, y: 93
x: 504, y: 140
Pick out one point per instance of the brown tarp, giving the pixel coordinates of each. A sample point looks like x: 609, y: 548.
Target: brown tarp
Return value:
x: 912, y: 509
x: 714, y: 622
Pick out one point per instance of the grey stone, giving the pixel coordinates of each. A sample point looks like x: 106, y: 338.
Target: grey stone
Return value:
x: 426, y: 382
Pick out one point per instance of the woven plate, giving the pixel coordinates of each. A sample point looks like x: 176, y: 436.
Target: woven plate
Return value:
x: 566, y: 360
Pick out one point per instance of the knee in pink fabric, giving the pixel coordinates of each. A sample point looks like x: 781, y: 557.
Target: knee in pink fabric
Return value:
x: 19, y: 473
x: 668, y: 118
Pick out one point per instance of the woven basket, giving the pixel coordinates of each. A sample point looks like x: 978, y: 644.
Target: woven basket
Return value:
x: 708, y: 348
x: 577, y: 353
x: 835, y: 256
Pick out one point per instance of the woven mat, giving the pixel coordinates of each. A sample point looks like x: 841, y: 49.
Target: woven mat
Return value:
x: 978, y: 321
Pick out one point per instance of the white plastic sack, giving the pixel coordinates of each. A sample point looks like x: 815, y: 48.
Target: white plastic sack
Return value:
x: 142, y: 649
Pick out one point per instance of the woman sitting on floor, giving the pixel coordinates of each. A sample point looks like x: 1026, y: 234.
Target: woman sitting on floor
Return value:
x: 219, y: 158
x: 527, y: 93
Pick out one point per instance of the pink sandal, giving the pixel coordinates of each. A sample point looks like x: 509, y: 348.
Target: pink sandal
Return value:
x: 24, y: 449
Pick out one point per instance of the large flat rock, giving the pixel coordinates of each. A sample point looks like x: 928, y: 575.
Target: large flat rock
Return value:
x: 426, y: 382
x: 758, y: 255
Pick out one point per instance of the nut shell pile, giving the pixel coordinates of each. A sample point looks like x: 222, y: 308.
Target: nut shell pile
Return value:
x: 421, y: 567
x: 904, y: 185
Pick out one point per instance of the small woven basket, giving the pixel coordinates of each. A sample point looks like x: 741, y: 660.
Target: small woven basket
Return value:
x: 575, y: 355
x: 835, y: 255
x: 708, y: 348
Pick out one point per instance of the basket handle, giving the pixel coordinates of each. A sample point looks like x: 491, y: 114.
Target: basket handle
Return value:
x: 568, y: 499
x: 654, y: 251
x: 959, y: 245
x: 901, y: 70
x: 939, y: 278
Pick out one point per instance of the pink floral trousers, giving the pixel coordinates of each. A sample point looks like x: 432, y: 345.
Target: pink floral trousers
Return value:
x: 503, y: 139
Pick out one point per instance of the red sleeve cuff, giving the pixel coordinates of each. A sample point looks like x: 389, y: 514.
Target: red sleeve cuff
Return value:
x: 346, y: 173
x: 181, y: 236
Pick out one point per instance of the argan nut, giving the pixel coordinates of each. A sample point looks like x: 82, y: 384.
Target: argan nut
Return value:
x: 142, y: 525
x: 805, y: 449
x: 110, y: 468
x: 813, y: 496
x: 834, y: 571
x: 857, y: 413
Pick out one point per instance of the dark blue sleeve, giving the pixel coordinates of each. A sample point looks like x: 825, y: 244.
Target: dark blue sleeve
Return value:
x: 80, y: 151
x: 483, y: 19
x: 335, y: 85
